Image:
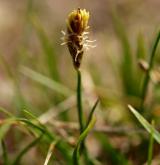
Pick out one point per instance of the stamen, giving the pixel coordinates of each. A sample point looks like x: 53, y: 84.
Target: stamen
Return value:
x: 64, y: 33
x: 91, y: 41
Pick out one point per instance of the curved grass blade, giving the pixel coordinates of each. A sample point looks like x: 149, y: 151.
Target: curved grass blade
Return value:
x: 34, y: 119
x: 26, y: 149
x: 5, y: 126
x: 83, y: 148
x: 76, y: 153
x: 31, y: 115
x: 37, y: 127
x: 61, y: 146
x: 145, y: 124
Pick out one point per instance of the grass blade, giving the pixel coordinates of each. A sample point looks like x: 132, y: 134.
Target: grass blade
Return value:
x: 50, y: 151
x: 31, y: 115
x: 92, y: 111
x: 61, y: 146
x: 26, y: 149
x: 145, y: 124
x: 37, y: 127
x: 87, y: 157
x: 147, y: 77
x: 46, y: 81
x: 6, y: 112
x: 76, y: 153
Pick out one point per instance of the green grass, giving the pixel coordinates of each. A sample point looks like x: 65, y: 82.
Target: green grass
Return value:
x: 54, y: 117
x: 151, y: 62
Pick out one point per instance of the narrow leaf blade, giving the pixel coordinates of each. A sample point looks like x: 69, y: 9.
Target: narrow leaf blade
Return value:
x: 145, y: 124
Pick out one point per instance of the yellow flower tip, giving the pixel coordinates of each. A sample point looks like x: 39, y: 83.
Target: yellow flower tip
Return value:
x: 77, y: 21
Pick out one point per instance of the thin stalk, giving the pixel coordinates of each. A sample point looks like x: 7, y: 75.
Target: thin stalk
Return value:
x: 82, y: 124
x: 80, y: 114
x: 150, y: 150
x: 79, y: 102
x: 147, y: 77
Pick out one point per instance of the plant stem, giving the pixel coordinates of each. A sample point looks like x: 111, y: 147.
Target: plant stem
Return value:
x: 79, y: 102
x: 151, y: 142
x: 147, y: 76
x: 80, y: 108
x: 83, y: 127
x: 76, y: 153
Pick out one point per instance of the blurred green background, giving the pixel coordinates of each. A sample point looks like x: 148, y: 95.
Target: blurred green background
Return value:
x: 36, y: 74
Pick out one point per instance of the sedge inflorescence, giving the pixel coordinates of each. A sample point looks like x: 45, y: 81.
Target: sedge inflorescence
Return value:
x: 76, y: 36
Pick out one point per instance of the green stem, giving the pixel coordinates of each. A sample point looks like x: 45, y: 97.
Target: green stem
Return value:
x: 83, y: 127
x: 147, y: 77
x: 79, y: 102
x: 76, y: 153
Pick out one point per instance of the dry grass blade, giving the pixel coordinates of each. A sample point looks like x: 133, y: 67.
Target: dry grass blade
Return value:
x: 50, y: 151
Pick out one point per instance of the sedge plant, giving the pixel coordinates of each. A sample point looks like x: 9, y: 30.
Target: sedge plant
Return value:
x: 76, y: 38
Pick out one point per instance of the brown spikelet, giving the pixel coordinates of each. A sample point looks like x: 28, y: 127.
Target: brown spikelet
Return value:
x: 77, y: 23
